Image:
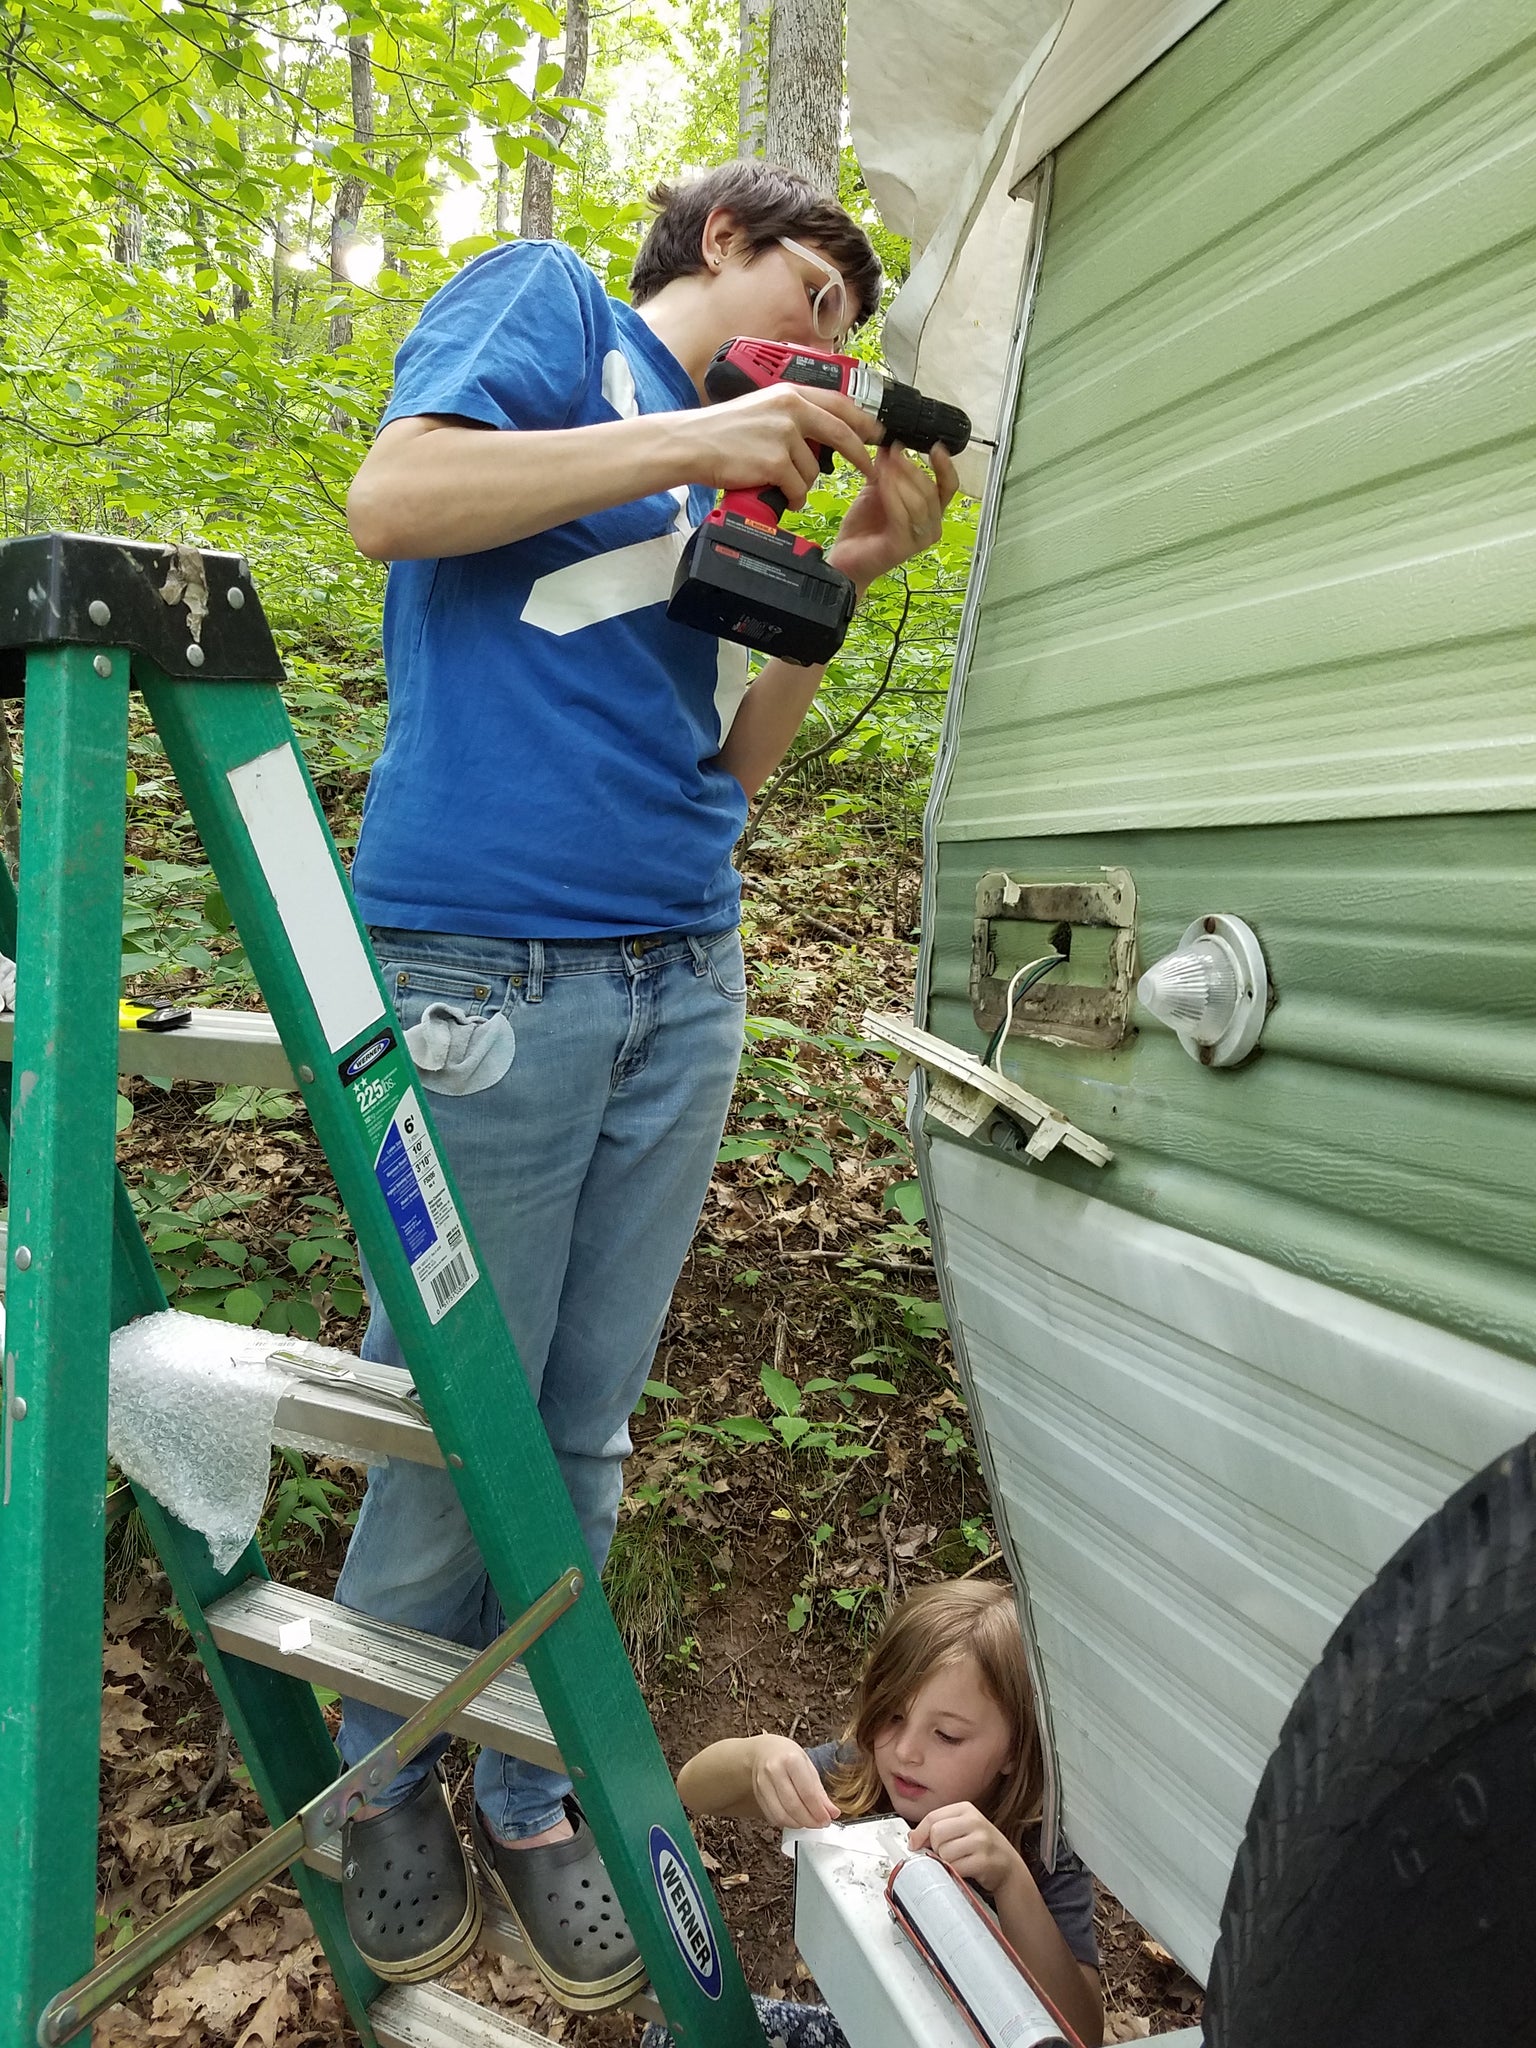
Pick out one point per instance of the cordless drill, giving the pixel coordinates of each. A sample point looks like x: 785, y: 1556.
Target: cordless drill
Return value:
x: 741, y: 576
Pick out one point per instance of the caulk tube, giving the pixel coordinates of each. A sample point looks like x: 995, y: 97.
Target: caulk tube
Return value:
x: 969, y: 1956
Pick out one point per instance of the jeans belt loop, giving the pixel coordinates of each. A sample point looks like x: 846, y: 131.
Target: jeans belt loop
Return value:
x: 535, y: 989
x: 700, y: 957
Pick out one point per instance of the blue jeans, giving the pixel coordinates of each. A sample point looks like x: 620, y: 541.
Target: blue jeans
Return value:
x: 583, y: 1165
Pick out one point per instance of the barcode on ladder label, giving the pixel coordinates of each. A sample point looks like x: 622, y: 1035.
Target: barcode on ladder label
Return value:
x: 425, y: 1216
x: 452, y: 1281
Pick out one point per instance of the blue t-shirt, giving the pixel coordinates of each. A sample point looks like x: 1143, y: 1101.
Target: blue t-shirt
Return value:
x: 549, y: 768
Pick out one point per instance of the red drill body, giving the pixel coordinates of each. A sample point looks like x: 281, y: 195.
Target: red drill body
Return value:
x: 742, y: 577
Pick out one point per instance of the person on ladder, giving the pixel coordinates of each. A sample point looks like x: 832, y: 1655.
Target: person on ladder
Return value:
x: 545, y: 869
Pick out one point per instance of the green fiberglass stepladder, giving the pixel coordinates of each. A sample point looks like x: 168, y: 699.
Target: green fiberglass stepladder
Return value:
x: 82, y: 622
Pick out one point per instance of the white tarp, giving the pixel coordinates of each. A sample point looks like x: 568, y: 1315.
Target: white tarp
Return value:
x: 953, y: 105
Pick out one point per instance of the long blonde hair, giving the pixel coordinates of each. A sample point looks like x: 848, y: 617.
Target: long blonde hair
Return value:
x: 936, y: 1627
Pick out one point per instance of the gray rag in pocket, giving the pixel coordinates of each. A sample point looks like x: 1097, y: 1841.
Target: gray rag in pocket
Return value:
x: 457, y: 1054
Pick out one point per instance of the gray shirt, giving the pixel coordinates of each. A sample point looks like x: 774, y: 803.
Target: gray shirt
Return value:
x: 1067, y: 1890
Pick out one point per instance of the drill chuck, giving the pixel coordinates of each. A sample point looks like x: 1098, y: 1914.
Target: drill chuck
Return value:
x: 921, y: 423
x: 906, y: 414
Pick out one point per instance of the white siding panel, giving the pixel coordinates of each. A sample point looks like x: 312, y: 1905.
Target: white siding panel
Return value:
x: 1199, y: 1460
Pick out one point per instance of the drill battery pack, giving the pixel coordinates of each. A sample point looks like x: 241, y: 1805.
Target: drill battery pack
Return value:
x: 762, y: 587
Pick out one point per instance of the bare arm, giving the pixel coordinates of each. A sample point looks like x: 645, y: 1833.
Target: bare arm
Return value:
x: 1072, y: 1986
x: 898, y: 512
x: 433, y: 486
x: 762, y: 1777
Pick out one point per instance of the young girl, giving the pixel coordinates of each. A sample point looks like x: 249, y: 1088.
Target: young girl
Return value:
x: 943, y: 1735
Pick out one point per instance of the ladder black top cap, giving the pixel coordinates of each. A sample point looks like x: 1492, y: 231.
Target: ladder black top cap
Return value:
x: 90, y: 590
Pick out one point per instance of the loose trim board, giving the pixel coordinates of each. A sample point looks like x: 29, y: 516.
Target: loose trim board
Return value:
x: 964, y: 1095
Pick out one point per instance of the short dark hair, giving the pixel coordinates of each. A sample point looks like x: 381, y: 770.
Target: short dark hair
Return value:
x: 765, y: 201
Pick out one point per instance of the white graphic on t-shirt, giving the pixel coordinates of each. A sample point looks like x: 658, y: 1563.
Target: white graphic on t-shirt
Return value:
x: 607, y: 586
x: 619, y: 384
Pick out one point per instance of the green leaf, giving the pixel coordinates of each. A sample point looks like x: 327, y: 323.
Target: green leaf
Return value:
x: 791, y: 1427
x: 868, y: 1384
x: 244, y: 1305
x: 781, y: 1390
x: 303, y: 1319
x: 906, y: 1198
x: 658, y: 1390
x: 744, y: 1148
x: 124, y: 1112
x: 747, y: 1429
x: 229, y: 1249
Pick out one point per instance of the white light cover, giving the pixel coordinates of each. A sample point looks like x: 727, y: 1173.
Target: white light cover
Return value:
x: 1194, y: 990
x: 1212, y: 990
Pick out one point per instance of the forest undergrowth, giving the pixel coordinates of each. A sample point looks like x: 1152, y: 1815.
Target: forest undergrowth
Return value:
x: 802, y: 1458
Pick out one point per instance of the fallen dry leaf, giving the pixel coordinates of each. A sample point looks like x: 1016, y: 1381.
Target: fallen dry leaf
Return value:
x: 1126, y: 2026
x: 221, y: 1995
x: 121, y: 1716
x: 121, y: 1660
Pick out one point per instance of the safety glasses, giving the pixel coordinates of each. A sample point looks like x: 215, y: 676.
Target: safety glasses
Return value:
x: 832, y: 308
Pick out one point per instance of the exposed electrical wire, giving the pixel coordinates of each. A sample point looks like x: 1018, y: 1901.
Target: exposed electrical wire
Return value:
x: 1020, y: 983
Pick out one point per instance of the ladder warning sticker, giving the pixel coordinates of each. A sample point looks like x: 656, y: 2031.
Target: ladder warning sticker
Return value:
x: 414, y: 1187
x: 687, y: 1917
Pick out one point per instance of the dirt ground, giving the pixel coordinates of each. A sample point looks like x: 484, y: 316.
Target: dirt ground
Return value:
x: 722, y: 1543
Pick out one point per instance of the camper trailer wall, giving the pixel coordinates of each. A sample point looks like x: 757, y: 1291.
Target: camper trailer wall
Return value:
x: 1256, y: 624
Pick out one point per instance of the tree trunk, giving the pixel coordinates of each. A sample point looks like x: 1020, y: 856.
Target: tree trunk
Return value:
x: 805, y: 89
x: 503, y: 198
x: 128, y: 236
x: 752, y: 101
x: 538, y: 212
x: 347, y: 210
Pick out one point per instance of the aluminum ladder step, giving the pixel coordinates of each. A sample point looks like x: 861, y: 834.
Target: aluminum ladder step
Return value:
x: 500, y: 1934
x: 380, y: 1662
x: 348, y: 1420
x: 427, y: 2016
x: 239, y: 1048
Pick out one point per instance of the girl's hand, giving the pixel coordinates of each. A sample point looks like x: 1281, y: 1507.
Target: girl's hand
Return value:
x: 964, y: 1839
x: 787, y: 1786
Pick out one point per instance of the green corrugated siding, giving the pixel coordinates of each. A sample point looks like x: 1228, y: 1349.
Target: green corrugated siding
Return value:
x: 1268, y: 545
x: 1259, y: 624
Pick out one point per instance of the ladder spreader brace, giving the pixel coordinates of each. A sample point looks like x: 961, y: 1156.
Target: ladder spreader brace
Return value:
x: 314, y: 1823
x: 83, y: 620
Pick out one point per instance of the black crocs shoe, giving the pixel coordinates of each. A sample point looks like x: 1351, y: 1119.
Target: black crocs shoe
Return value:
x: 570, y: 1917
x: 408, y: 1886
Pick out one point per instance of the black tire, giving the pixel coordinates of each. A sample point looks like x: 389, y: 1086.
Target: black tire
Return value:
x: 1385, y: 1892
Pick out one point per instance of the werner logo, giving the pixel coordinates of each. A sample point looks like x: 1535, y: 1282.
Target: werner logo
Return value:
x: 367, y: 1056
x: 684, y: 1908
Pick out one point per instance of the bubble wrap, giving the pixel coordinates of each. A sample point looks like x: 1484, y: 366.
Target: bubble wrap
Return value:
x: 190, y: 1420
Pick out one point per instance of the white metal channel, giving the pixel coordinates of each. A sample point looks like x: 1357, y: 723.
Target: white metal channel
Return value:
x: 964, y: 647
x: 1204, y: 1459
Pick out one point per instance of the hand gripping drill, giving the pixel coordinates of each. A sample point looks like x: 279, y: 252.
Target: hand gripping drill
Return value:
x: 742, y: 576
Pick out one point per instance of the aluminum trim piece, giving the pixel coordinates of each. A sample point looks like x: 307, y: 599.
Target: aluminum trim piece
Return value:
x: 965, y: 639
x: 1050, y: 1812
